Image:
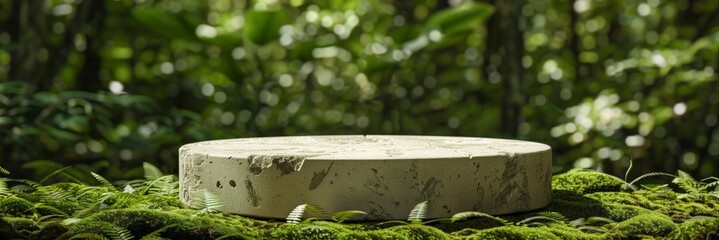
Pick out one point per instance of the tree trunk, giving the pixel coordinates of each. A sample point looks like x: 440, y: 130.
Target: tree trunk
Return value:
x: 27, y: 30
x: 505, y: 40
x: 89, y: 79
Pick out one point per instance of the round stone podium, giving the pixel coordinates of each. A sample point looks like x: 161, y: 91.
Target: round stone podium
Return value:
x: 383, y: 175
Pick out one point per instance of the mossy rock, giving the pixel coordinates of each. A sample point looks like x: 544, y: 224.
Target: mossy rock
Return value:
x: 585, y: 205
x: 584, y: 181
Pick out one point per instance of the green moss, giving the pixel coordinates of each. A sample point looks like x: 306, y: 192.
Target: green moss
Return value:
x: 420, y: 232
x: 23, y: 227
x: 51, y: 231
x: 15, y: 206
x: 699, y: 229
x: 514, y: 232
x: 583, y: 182
x: 577, y: 195
x: 142, y: 222
x: 646, y: 224
x: 567, y: 232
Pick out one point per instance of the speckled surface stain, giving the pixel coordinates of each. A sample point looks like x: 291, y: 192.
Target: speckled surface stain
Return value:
x: 382, y: 175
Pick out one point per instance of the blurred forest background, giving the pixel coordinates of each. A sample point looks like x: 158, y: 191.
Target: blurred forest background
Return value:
x: 103, y: 85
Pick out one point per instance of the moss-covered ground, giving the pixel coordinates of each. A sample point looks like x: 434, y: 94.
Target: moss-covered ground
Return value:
x: 585, y: 205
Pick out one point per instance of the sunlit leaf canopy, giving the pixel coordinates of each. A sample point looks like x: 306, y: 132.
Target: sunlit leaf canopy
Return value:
x: 108, y: 83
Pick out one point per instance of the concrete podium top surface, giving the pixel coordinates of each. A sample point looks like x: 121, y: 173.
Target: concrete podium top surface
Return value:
x: 365, y: 147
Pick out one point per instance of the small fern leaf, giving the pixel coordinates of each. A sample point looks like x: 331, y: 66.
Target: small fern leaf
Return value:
x: 418, y: 213
x: 653, y: 174
x: 161, y: 185
x: 70, y: 221
x: 128, y: 189
x: 687, y: 183
x: 103, y: 181
x: 206, y: 201
x: 151, y: 171
x: 295, y: 215
x: 393, y: 222
x: 473, y: 214
x: 4, y: 190
x: 122, y: 233
x: 116, y: 232
x: 534, y: 220
x: 4, y: 171
x: 601, y: 220
x: 342, y: 216
x: 558, y: 217
x: 712, y: 184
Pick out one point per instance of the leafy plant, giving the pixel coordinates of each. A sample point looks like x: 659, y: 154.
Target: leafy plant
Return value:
x: 342, y: 216
x: 104, y: 182
x: 206, y: 201
x: 688, y: 184
x: 296, y: 215
x: 474, y: 214
x: 418, y: 213
x: 554, y: 217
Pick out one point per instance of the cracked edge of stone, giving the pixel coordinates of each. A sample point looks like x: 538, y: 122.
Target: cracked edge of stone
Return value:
x: 285, y: 163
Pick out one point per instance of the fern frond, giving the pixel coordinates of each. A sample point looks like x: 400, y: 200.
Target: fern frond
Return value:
x: 156, y: 234
x: 54, y: 173
x: 128, y: 189
x: 50, y: 209
x: 473, y: 214
x: 418, y: 213
x: 24, y: 186
x: 656, y: 187
x: 162, y: 184
x: 398, y: 222
x: 595, y: 220
x: 103, y: 181
x: 533, y: 220
x: 4, y: 171
x: 688, y: 184
x: 117, y: 233
x: 4, y: 190
x: 151, y: 171
x: 87, y: 211
x: 295, y: 215
x: 63, y: 196
x: 342, y: 216
x: 558, y: 217
x: 70, y: 221
x: 652, y: 174
x: 206, y: 201
x: 716, y: 179
x: 712, y: 184
x: 59, y: 217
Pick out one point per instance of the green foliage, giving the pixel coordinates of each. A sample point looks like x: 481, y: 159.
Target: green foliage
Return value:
x: 164, y: 23
x: 151, y: 172
x: 206, y: 201
x: 80, y: 211
x: 473, y: 214
x: 264, y: 26
x: 418, y: 213
x: 103, y: 181
x: 342, y: 216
